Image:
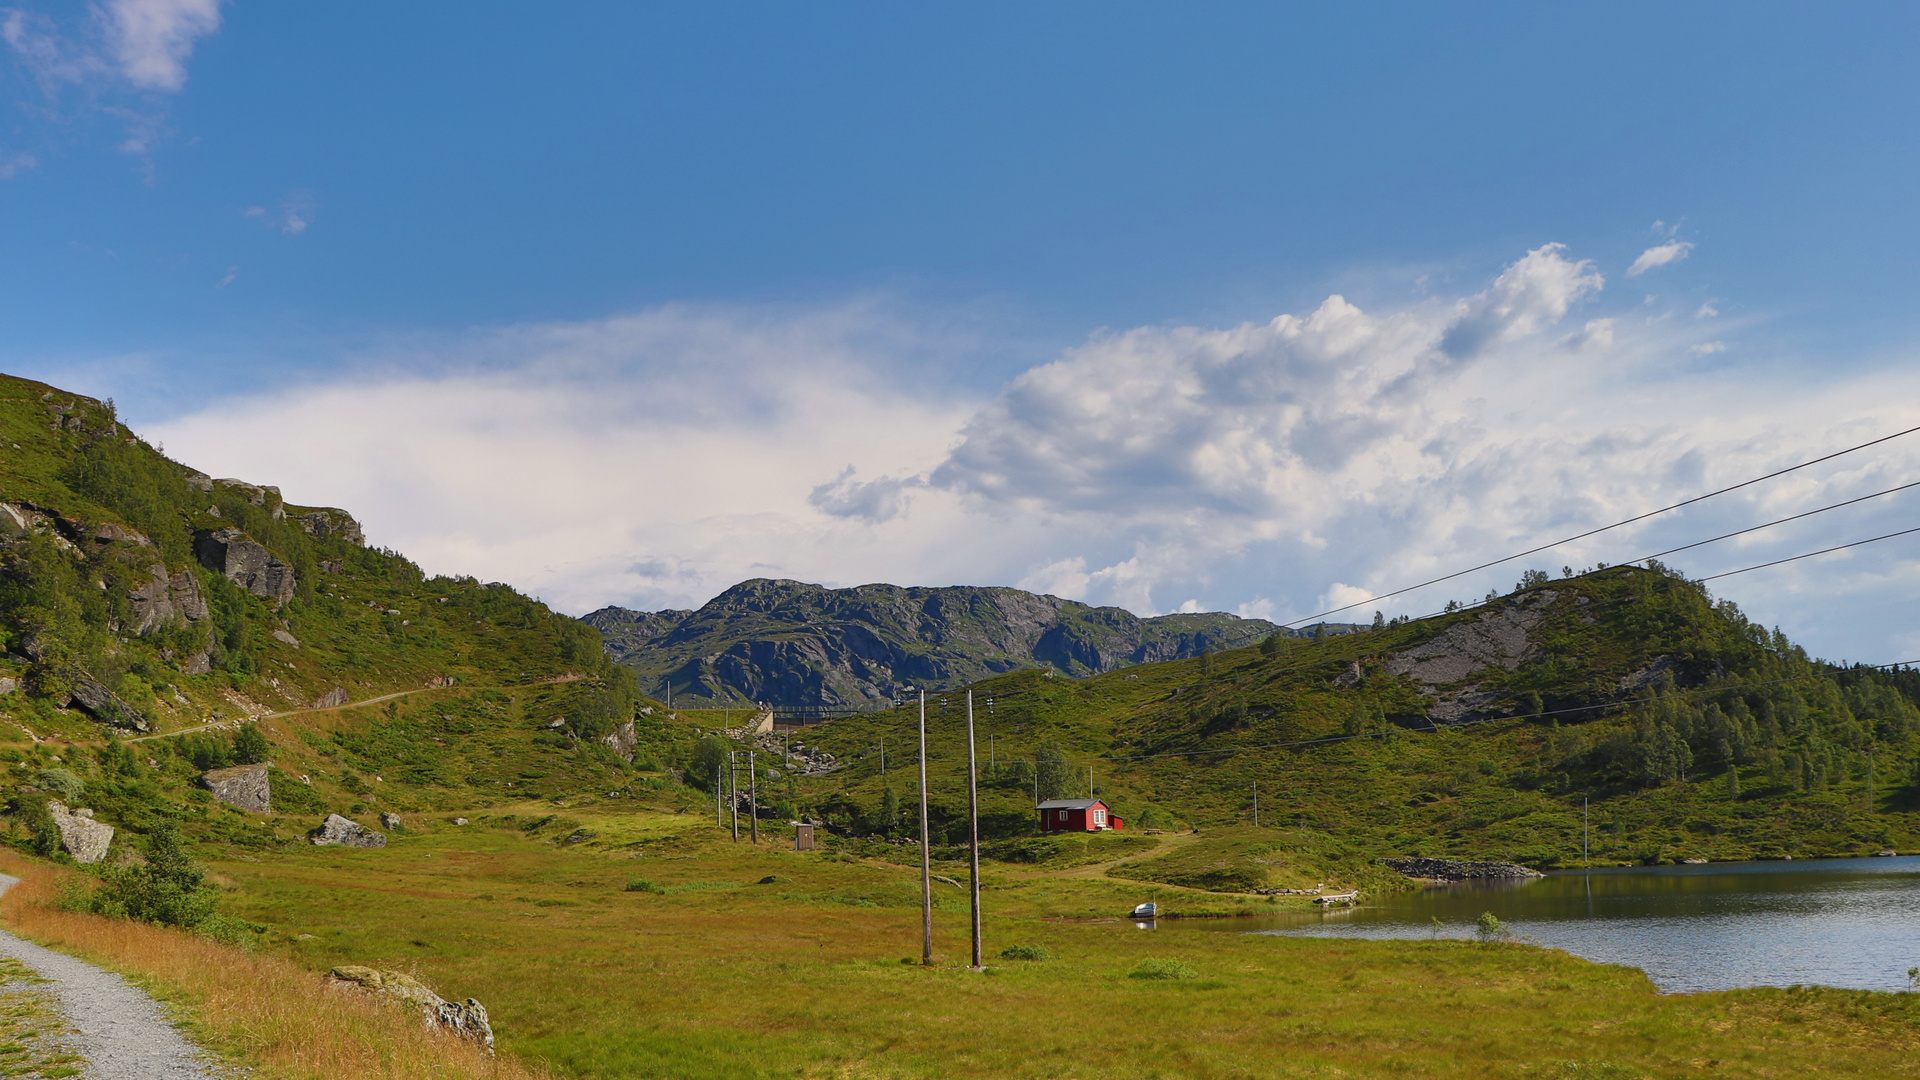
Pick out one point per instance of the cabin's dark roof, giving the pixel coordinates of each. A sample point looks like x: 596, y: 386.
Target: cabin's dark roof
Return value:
x: 1070, y: 804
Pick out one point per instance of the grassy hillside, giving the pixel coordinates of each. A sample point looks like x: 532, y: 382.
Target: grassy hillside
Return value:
x: 1686, y: 730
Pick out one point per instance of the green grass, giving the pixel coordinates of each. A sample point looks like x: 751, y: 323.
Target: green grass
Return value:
x: 716, y: 975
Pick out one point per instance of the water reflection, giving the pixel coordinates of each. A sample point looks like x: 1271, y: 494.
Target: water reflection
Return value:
x: 1835, y: 922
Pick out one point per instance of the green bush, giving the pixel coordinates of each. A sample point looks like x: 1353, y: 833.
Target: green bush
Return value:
x: 1161, y: 969
x: 1025, y: 952
x: 646, y: 885
x: 63, y: 783
x: 169, y: 888
x: 250, y: 746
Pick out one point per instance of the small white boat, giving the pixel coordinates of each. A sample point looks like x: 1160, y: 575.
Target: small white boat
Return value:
x: 1146, y: 911
x: 1885, y: 854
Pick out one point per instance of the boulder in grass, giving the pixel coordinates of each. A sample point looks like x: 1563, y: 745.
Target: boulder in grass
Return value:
x: 85, y: 839
x: 389, y: 820
x: 469, y: 1020
x: 244, y: 786
x: 347, y: 833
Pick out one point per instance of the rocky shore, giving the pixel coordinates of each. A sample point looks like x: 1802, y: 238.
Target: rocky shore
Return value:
x: 1457, y: 869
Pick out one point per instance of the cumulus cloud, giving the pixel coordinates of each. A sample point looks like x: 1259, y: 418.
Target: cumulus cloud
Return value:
x: 1708, y: 348
x: 1597, y: 334
x: 654, y: 459
x: 1654, y: 257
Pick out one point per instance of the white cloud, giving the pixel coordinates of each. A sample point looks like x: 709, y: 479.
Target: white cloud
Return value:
x: 1707, y: 311
x: 151, y: 39
x: 295, y: 214
x: 655, y: 459
x: 1654, y: 257
x: 1597, y: 334
x: 1708, y: 348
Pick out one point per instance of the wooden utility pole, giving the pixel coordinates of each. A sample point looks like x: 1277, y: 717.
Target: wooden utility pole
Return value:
x: 883, y: 759
x: 1256, y: 804
x: 973, y: 832
x: 733, y: 790
x: 926, y: 852
x: 753, y: 797
x: 717, y: 790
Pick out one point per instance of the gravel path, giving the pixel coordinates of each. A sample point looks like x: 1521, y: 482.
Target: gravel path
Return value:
x: 121, y: 1030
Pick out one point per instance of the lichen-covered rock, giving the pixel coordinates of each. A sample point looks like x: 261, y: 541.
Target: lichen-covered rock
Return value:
x: 85, y: 839
x: 622, y: 740
x: 165, y: 598
x: 120, y: 534
x: 285, y: 638
x: 389, y: 820
x: 347, y: 833
x: 468, y: 1020
x: 244, y: 786
x: 332, y: 699
x: 246, y: 562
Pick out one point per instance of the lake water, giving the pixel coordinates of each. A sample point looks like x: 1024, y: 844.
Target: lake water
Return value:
x: 1833, y: 922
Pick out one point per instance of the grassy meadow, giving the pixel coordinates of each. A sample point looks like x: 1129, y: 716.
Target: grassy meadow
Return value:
x: 658, y: 947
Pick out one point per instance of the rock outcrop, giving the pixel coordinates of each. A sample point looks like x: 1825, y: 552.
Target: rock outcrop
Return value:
x: 389, y: 820
x: 329, y: 524
x: 622, y: 740
x: 332, y: 699
x: 1445, y: 665
x: 347, y: 833
x: 244, y: 786
x: 797, y: 644
x: 468, y: 1020
x: 1457, y: 869
x: 166, y: 598
x: 246, y: 562
x: 85, y: 839
x: 106, y: 706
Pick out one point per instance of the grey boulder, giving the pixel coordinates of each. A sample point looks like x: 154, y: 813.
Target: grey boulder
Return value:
x: 468, y: 1021
x: 244, y: 786
x: 246, y: 562
x: 85, y: 839
x: 347, y: 833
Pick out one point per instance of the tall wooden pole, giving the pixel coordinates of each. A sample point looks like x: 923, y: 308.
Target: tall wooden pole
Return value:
x: 733, y: 790
x: 753, y: 796
x: 973, y: 831
x: 926, y: 851
x: 718, y: 791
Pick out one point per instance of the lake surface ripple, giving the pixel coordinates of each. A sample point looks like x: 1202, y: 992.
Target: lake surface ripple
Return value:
x: 1833, y: 922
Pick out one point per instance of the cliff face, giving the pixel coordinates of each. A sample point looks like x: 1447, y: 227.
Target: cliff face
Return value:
x: 790, y: 643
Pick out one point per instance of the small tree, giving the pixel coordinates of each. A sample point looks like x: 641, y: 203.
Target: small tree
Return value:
x: 709, y: 760
x: 1379, y: 621
x: 889, y: 809
x: 250, y: 746
x: 1053, y: 774
x: 170, y: 888
x: 1275, y: 643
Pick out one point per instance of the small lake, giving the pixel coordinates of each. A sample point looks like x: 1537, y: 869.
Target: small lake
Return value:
x: 1833, y: 922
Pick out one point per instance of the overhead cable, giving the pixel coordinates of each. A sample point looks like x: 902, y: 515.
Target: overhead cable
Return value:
x: 1603, y: 528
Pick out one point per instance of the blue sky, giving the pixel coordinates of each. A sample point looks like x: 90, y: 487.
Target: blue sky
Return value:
x: 606, y: 300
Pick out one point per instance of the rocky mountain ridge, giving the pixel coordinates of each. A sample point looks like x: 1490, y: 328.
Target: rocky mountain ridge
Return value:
x: 794, y: 644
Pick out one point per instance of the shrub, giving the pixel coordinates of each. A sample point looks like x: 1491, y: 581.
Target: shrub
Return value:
x: 1489, y: 926
x: 1025, y: 952
x: 63, y: 783
x: 169, y: 888
x: 641, y: 884
x: 1161, y: 969
x: 250, y: 747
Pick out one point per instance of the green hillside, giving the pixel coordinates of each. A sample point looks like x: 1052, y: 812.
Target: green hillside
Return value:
x: 1686, y: 729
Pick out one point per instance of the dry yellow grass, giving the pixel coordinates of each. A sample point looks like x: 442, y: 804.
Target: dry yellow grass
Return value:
x: 278, y: 1017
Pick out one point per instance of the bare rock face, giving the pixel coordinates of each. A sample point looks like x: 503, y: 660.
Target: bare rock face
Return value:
x: 622, y: 740
x: 85, y: 839
x: 1445, y: 665
x: 106, y: 706
x: 246, y: 562
x: 330, y: 524
x: 347, y: 833
x: 244, y: 786
x: 469, y: 1020
x: 110, y: 534
x: 257, y: 494
x: 165, y: 598
x: 332, y: 699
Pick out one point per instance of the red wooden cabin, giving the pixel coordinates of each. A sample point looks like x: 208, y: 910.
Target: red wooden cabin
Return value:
x: 1077, y: 815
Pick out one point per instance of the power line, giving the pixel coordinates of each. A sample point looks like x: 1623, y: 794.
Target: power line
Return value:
x: 1603, y: 528
x: 1810, y: 554
x: 1771, y: 524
